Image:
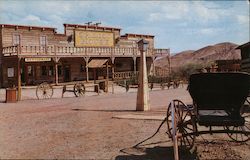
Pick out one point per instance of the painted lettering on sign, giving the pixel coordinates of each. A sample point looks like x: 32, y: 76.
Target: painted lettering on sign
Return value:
x: 94, y: 39
x: 37, y: 59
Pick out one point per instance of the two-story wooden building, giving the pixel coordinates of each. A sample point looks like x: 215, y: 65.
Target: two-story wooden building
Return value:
x: 35, y: 54
x: 245, y: 57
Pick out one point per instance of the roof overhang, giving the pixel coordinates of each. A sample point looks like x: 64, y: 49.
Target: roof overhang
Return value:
x: 97, y: 63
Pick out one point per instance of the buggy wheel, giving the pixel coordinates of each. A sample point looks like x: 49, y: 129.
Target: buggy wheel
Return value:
x: 79, y: 89
x: 184, y: 128
x: 242, y: 133
x: 162, y: 86
x: 248, y: 101
x: 44, y: 91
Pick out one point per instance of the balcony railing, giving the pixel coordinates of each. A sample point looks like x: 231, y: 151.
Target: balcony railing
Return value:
x: 76, y: 51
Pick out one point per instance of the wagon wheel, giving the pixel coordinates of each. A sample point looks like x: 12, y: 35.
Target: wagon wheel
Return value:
x: 162, y: 86
x: 248, y: 100
x: 79, y: 89
x: 185, y: 125
x: 44, y: 91
x: 245, y: 130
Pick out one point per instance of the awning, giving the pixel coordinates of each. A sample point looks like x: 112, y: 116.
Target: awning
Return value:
x: 97, y: 63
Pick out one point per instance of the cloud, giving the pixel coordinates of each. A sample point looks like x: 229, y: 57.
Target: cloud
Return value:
x: 209, y: 31
x: 32, y: 18
x: 173, y: 22
x: 170, y: 11
x: 242, y: 19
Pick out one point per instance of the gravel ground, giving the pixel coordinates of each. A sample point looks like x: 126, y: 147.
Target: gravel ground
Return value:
x: 84, y: 128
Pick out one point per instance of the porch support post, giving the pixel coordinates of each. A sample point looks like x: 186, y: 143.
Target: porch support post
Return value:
x: 56, y: 60
x: 113, y: 67
x: 113, y: 73
x: 107, y: 76
x: 19, y: 91
x: 153, y: 63
x: 87, y: 67
x: 134, y: 58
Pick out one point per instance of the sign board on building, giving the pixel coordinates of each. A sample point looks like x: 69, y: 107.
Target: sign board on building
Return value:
x: 94, y: 39
x: 37, y: 59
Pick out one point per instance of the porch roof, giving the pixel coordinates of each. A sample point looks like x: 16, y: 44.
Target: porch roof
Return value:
x: 97, y: 63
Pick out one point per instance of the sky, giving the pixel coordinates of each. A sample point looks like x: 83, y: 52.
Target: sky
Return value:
x: 178, y: 25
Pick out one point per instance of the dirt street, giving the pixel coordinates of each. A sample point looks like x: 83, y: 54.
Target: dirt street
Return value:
x: 85, y: 128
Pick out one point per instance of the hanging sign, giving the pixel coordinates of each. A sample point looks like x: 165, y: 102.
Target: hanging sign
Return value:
x: 37, y: 59
x: 94, y: 39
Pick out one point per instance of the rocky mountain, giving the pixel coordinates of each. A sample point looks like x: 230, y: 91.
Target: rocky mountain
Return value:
x: 221, y: 51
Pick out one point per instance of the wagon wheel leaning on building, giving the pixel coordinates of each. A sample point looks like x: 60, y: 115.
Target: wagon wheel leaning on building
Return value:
x: 79, y: 89
x: 44, y: 91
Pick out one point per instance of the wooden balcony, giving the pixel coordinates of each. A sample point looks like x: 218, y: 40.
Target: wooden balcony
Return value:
x: 66, y: 51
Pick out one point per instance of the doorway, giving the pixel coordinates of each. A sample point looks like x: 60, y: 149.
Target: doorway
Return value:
x: 66, y: 75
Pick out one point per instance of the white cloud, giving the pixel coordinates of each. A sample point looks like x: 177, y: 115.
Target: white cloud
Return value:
x: 242, y: 19
x: 32, y: 18
x: 208, y: 31
x: 170, y: 11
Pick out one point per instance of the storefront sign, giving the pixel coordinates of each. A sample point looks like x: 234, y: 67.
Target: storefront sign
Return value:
x: 37, y: 59
x: 94, y: 39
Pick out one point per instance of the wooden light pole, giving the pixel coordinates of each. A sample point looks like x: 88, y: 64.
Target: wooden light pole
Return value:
x: 142, y: 103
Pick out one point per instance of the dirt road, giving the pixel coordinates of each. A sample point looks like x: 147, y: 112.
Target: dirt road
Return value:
x: 85, y: 128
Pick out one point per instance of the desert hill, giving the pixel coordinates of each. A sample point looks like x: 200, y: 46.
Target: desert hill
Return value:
x: 220, y: 51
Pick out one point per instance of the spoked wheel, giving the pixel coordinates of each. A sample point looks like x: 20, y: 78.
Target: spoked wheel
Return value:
x: 184, y: 128
x: 44, y: 91
x: 242, y: 133
x: 248, y: 101
x: 162, y: 86
x: 79, y: 89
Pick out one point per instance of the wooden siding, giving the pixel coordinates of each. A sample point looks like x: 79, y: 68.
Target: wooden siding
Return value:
x: 31, y: 37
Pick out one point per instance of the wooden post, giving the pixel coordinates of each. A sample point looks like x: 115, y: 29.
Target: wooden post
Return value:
x: 153, y: 66
x: 113, y: 73
x: 19, y: 91
x: 56, y: 73
x: 107, y: 77
x: 87, y: 68
x: 134, y: 58
x: 113, y: 67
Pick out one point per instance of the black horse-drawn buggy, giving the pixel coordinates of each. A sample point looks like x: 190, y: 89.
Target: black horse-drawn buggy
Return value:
x: 218, y: 103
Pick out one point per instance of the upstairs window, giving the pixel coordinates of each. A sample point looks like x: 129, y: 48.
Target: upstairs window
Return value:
x: 43, y: 40
x: 16, y: 39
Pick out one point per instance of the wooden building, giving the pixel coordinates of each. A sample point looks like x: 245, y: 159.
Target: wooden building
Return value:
x: 34, y: 54
x: 245, y: 57
x: 230, y: 65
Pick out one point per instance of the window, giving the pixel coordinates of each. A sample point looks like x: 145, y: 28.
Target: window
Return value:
x: 82, y: 68
x: 51, y: 70
x: 30, y: 70
x: 43, y: 40
x: 44, y: 72
x: 16, y: 39
x: 59, y: 71
x: 10, y: 72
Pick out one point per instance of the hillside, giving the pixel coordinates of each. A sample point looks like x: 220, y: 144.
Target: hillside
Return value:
x: 221, y: 51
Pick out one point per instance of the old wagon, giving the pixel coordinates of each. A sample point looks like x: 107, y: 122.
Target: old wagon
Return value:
x: 218, y: 103
x: 45, y: 89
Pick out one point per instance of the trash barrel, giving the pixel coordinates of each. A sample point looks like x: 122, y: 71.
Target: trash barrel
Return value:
x: 11, y: 95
